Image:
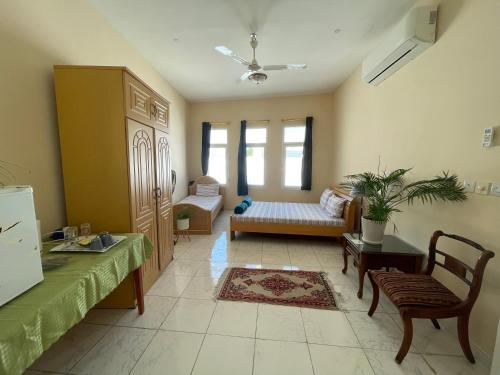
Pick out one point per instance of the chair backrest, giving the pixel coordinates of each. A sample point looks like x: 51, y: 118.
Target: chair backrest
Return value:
x: 471, y: 276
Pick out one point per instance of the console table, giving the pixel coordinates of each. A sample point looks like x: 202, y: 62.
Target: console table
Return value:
x: 35, y: 320
x: 393, y: 252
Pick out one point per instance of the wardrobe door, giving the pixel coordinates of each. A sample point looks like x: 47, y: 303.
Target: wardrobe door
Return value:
x: 164, y: 199
x: 142, y: 193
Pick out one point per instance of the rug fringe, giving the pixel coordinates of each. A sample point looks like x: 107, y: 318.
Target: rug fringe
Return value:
x: 330, y: 285
x: 220, y: 283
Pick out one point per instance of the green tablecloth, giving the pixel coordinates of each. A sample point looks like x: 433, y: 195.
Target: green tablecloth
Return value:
x: 32, y: 322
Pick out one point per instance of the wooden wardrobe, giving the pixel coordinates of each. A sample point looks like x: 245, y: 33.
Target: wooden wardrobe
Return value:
x: 115, y: 153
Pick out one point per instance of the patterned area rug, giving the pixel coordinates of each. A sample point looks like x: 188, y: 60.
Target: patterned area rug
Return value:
x: 291, y: 288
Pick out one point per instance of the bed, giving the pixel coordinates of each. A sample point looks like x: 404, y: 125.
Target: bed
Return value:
x: 203, y: 209
x: 308, y: 219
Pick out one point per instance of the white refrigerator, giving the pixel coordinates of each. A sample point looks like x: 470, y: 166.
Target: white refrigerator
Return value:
x: 20, y: 259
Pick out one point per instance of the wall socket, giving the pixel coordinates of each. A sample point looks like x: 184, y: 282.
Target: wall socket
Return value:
x: 483, y: 188
x: 495, y: 189
x: 469, y: 186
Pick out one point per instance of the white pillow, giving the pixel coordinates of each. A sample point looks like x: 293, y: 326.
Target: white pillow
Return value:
x: 207, y: 190
x: 327, y: 193
x: 335, y: 206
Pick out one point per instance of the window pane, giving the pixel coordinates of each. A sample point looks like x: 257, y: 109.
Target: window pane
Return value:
x: 217, y: 164
x: 255, y: 165
x: 295, y: 134
x: 256, y: 135
x: 218, y: 136
x: 293, y: 165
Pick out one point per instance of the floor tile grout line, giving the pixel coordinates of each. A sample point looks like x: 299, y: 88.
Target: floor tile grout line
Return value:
x: 204, y: 337
x: 307, y: 340
x: 255, y: 338
x: 359, y: 342
x: 92, y: 347
x: 144, y: 351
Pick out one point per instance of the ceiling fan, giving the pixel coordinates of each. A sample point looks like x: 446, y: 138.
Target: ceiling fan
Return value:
x: 255, y: 72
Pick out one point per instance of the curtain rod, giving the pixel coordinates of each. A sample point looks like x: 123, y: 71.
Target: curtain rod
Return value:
x: 293, y: 119
x: 258, y: 121
x: 219, y: 122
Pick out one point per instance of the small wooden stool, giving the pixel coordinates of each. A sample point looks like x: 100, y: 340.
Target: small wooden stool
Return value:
x: 184, y: 233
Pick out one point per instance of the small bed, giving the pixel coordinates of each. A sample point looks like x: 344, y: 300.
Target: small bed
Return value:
x: 203, y: 209
x: 308, y: 219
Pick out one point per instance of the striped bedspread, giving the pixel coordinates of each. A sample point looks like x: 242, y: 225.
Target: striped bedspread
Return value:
x: 207, y: 203
x: 287, y: 213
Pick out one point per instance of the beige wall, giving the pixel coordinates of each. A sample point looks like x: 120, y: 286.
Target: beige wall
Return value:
x: 273, y: 109
x: 430, y: 116
x: 35, y: 35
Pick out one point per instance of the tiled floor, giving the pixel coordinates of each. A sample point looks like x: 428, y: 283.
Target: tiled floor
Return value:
x: 185, y: 331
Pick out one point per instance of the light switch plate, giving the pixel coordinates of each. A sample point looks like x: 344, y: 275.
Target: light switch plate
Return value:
x: 495, y: 189
x: 483, y: 188
x: 469, y: 186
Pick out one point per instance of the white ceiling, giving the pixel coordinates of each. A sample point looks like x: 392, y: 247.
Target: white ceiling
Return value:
x: 178, y: 37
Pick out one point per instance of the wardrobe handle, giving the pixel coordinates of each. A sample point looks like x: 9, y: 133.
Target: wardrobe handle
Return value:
x: 153, y: 110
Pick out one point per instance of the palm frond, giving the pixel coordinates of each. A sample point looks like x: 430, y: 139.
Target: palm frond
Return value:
x: 444, y: 188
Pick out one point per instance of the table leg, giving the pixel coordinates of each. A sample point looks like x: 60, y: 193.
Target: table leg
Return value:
x: 139, y: 291
x: 344, y: 270
x: 361, y: 275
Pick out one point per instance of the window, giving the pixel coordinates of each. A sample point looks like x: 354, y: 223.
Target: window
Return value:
x: 217, y: 161
x: 293, y: 145
x: 256, y: 144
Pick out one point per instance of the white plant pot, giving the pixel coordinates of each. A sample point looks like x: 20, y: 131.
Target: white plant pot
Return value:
x: 182, y: 224
x: 373, y: 231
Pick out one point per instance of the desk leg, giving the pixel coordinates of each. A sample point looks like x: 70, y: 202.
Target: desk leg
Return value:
x: 361, y: 275
x: 139, y: 291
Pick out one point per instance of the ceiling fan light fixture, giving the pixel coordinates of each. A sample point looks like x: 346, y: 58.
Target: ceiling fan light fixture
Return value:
x: 257, y: 77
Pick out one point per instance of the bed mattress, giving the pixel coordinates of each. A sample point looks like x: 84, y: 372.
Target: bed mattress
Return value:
x: 287, y: 213
x: 206, y: 203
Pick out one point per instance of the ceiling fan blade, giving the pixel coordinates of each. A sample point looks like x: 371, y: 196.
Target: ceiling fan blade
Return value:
x: 227, y: 52
x: 285, y: 67
x: 245, y: 75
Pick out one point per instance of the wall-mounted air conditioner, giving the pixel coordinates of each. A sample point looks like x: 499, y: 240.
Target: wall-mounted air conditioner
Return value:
x: 409, y: 38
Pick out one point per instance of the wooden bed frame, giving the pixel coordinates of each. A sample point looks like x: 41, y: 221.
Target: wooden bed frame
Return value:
x: 201, y: 219
x: 302, y: 229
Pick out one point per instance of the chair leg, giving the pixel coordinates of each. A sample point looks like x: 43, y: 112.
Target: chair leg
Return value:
x: 376, y: 293
x: 463, y: 336
x: 435, y: 323
x: 407, y: 338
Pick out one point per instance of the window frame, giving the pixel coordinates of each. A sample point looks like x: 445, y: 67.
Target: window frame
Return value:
x: 284, y: 145
x: 264, y: 146
x: 221, y: 145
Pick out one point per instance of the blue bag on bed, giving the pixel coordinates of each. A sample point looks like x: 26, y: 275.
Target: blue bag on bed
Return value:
x: 240, y: 208
x: 248, y: 201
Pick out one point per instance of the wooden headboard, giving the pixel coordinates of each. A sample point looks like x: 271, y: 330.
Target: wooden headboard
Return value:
x: 205, y: 180
x: 349, y: 208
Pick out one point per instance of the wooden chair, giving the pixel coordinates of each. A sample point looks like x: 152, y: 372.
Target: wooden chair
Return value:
x: 423, y: 297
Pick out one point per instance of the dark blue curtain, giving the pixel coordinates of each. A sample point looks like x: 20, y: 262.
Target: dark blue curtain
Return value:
x: 242, y: 160
x: 205, y: 147
x: 307, y: 158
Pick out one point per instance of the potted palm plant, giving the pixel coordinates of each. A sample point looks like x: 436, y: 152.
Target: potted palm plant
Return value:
x: 386, y: 191
x: 183, y: 219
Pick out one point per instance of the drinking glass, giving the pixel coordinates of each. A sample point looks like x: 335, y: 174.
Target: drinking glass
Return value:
x: 70, y: 234
x: 85, y: 229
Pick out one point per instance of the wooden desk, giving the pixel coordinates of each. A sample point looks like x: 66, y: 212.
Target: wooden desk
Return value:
x: 393, y: 252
